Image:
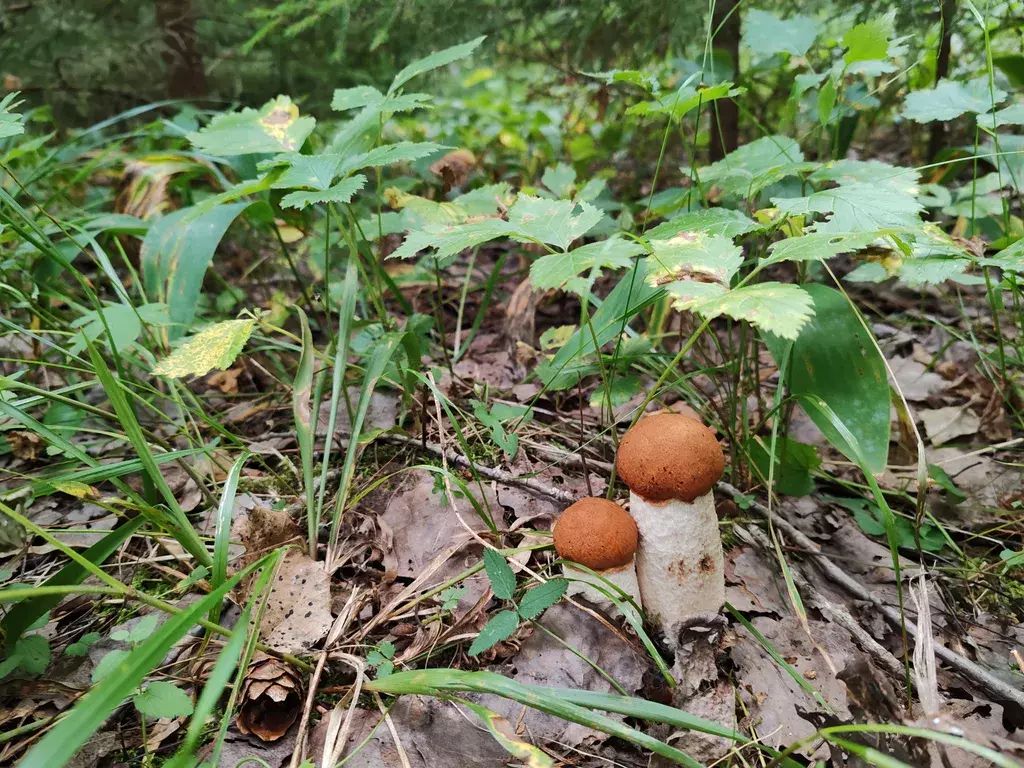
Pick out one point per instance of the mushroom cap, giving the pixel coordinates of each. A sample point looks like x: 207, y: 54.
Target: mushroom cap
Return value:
x: 596, y: 533
x: 668, y: 457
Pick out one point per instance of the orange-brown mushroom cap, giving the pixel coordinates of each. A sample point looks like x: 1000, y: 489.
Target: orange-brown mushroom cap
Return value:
x: 668, y: 456
x: 596, y: 533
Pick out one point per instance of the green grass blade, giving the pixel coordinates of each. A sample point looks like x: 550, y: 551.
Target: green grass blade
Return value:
x: 222, y: 539
x: 45, y: 486
x: 183, y: 531
x: 89, y: 713
x: 305, y: 426
x: 22, y: 616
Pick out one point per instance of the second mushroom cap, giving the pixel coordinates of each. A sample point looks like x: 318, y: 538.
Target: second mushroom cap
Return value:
x: 596, y: 533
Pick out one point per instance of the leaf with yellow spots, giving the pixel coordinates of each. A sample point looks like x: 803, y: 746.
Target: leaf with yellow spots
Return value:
x: 503, y: 733
x: 216, y: 347
x: 75, y: 488
x: 275, y: 127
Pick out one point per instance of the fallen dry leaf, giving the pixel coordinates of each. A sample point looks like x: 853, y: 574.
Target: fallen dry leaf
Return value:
x: 298, y: 611
x: 916, y: 383
x: 941, y: 425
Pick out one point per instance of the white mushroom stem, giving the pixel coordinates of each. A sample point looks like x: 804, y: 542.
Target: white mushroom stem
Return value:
x: 595, y: 589
x: 679, y: 564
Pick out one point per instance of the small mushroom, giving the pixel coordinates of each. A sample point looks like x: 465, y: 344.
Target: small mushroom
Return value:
x: 600, y: 535
x: 670, y: 463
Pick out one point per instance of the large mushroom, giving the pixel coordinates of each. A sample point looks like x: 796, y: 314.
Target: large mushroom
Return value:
x: 671, y: 463
x: 601, y: 536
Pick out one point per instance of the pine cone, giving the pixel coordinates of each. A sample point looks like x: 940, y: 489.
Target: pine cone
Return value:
x: 271, y: 698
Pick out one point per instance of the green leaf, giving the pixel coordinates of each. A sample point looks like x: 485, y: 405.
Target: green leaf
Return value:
x: 502, y: 731
x: 747, y: 170
x: 781, y: 308
x: 389, y: 154
x: 501, y: 576
x: 31, y: 654
x: 820, y: 246
x: 448, y: 240
x: 794, y: 463
x: 450, y: 598
x: 64, y: 740
x: 176, y: 253
x: 315, y: 171
x: 20, y: 617
x: 555, y: 222
x: 163, y: 699
x: 110, y: 661
x: 945, y: 482
x: 711, y: 221
x: 143, y: 628
x: 1011, y: 115
x: 124, y: 325
x: 275, y: 127
x: 950, y: 99
x: 355, y: 98
x: 678, y: 104
x: 508, y: 443
x: 216, y: 347
x: 765, y: 34
x: 868, y: 41
x: 693, y: 256
x: 897, y: 179
x: 856, y: 208
x: 501, y: 627
x: 826, y: 102
x: 644, y: 80
x: 555, y: 270
x: 342, y: 192
x: 11, y: 123
x: 560, y: 179
x: 81, y: 646
x: 835, y: 359
x: 537, y: 600
x: 434, y: 61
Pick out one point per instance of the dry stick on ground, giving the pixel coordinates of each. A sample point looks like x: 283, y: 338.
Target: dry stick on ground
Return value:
x: 992, y: 685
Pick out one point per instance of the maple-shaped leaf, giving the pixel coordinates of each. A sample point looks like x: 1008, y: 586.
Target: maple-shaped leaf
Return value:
x: 341, y: 192
x: 749, y: 169
x: 1010, y: 258
x: 275, y: 127
x: 916, y: 272
x: 710, y: 221
x: 949, y: 100
x: 765, y: 34
x: 560, y: 179
x: 693, y: 256
x: 434, y: 61
x: 905, y: 180
x: 556, y: 270
x: 556, y: 222
x: 868, y: 41
x: 216, y: 347
x: 643, y: 80
x: 820, y: 246
x: 355, y: 98
x: 856, y: 208
x: 389, y: 154
x: 780, y: 308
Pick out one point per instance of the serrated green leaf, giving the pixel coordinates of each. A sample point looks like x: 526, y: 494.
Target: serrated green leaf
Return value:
x: 11, y: 123
x: 216, y: 347
x: 389, y: 154
x: 555, y: 270
x: 537, y: 600
x: 1011, y: 115
x: 434, y: 61
x: 500, y: 574
x: 635, y: 77
x: 820, y: 246
x: 309, y: 171
x: 678, y: 104
x: 781, y: 308
x: 275, y: 127
x: 342, y: 192
x: 444, y: 241
x: 950, y: 99
x: 560, y: 179
x: 749, y: 169
x: 355, y: 98
x: 555, y: 222
x: 868, y: 41
x: 508, y: 443
x: 711, y: 221
x: 693, y: 256
x: 31, y: 654
x: 765, y: 34
x: 501, y: 627
x: 124, y: 325
x: 794, y: 463
x: 856, y: 208
x: 163, y: 699
x: 846, y: 172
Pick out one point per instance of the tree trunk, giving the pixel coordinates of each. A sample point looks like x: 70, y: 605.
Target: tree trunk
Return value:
x: 937, y: 138
x: 183, y: 61
x: 725, y: 115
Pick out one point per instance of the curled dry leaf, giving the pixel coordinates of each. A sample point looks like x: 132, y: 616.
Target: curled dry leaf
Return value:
x: 271, y: 698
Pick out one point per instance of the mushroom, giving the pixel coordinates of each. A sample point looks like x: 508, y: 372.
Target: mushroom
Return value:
x: 601, y: 536
x: 670, y: 463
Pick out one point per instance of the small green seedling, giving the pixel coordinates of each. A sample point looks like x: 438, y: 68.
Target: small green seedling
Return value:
x: 380, y: 658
